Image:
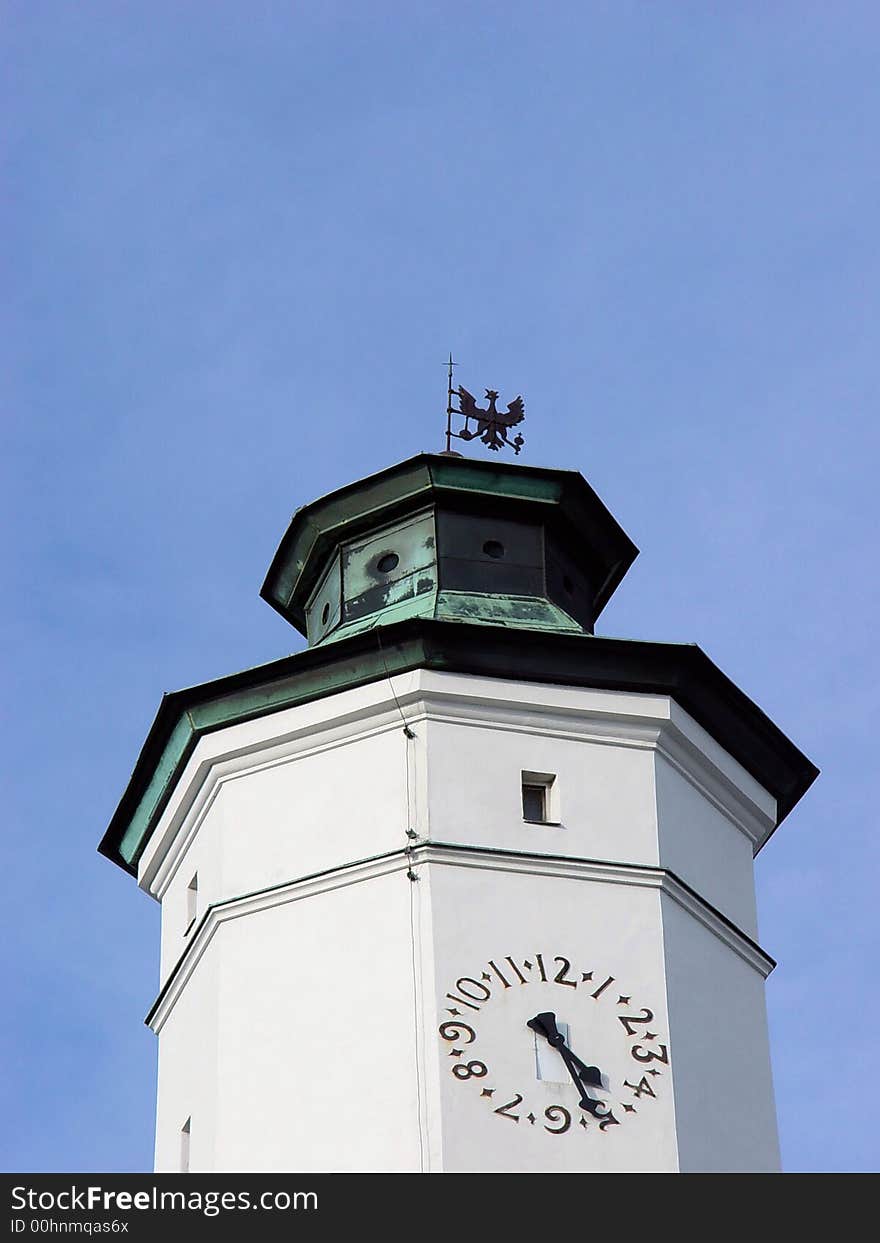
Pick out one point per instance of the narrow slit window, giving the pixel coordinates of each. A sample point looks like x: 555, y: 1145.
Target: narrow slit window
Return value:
x: 184, y: 1146
x: 192, y: 902
x: 538, y: 798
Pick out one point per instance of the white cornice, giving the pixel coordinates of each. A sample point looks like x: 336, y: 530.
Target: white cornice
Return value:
x: 228, y: 754
x: 656, y: 723
x: 608, y: 873
x: 616, y: 718
x: 445, y: 854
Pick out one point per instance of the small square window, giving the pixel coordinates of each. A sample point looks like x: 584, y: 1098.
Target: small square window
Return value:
x: 538, y: 802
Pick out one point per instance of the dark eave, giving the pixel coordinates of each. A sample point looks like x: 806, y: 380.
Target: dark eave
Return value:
x: 682, y: 671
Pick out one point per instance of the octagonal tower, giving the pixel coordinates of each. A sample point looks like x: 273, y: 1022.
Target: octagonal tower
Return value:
x: 460, y: 886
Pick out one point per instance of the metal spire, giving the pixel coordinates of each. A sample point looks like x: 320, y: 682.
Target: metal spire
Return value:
x: 450, y: 410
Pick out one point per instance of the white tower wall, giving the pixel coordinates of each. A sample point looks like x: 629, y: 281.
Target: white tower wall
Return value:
x: 298, y: 1018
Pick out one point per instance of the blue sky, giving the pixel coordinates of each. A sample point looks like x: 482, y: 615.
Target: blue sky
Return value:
x: 238, y: 240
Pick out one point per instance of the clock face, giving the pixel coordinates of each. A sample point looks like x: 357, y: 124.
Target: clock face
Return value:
x: 550, y: 1042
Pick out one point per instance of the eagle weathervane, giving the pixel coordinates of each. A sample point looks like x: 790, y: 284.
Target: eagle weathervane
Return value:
x: 492, y: 425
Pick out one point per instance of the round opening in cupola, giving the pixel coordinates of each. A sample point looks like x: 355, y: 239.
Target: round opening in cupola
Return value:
x: 387, y: 562
x: 493, y: 548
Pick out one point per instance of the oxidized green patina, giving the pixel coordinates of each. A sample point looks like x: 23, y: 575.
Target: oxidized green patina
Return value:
x: 448, y: 537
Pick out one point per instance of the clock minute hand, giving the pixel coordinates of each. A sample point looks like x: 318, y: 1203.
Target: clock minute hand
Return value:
x: 545, y: 1025
x: 580, y: 1073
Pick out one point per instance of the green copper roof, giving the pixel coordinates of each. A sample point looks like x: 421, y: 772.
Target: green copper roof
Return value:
x: 446, y: 537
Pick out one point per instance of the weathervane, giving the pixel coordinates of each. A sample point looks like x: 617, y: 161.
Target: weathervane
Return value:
x: 492, y: 425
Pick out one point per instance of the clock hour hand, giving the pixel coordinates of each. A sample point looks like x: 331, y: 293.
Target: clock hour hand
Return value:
x: 581, y: 1074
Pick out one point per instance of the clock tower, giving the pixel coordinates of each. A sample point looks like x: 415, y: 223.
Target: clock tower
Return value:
x: 461, y: 886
